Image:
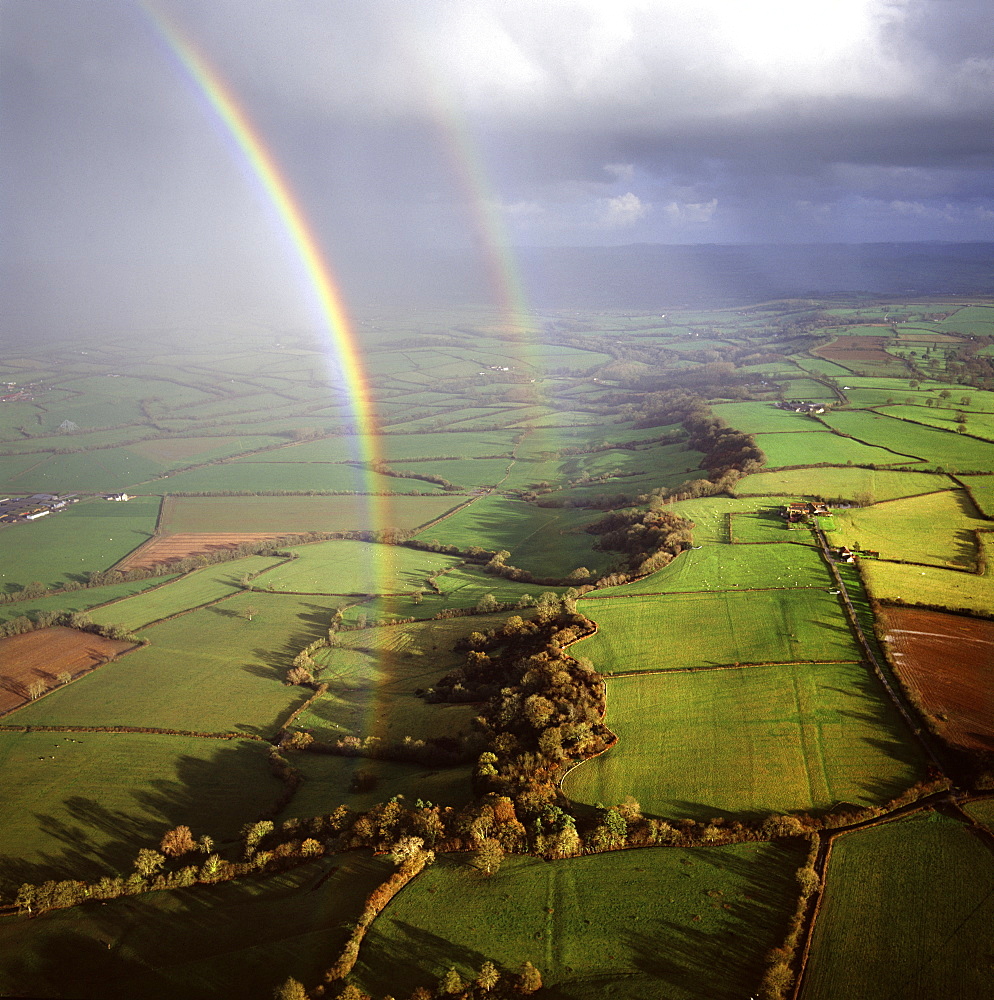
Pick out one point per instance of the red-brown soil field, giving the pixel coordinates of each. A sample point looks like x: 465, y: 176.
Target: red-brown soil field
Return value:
x: 948, y: 661
x: 164, y: 549
x: 845, y: 349
x: 43, y: 655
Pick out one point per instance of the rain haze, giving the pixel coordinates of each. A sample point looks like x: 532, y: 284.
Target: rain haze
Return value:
x: 415, y: 134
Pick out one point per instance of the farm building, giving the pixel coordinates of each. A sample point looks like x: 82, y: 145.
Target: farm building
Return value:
x: 799, y: 406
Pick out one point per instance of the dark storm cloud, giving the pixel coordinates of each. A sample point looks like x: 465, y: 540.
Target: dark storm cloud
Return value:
x: 401, y: 125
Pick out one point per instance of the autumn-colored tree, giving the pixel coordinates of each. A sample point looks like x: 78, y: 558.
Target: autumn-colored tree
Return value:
x: 530, y: 979
x: 177, y: 842
x: 292, y: 989
x: 489, y: 856
x: 148, y: 862
x: 450, y: 984
x: 488, y: 977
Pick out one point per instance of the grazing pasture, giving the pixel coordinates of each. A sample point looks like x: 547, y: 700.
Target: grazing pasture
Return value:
x: 80, y: 805
x: 813, y: 447
x: 360, y: 782
x: 372, y: 693
x: 941, y: 448
x: 547, y: 541
x: 352, y: 567
x: 279, y: 515
x: 751, y: 740
x: 708, y: 629
x: 687, y: 925
x: 981, y: 489
x: 241, y: 938
x: 938, y: 529
x: 45, y: 656
x: 722, y: 567
x: 932, y: 586
x: 77, y: 600
x: 843, y: 483
x: 191, y: 590
x: 920, y: 928
x: 211, y: 670
x: 948, y: 662
x: 87, y: 537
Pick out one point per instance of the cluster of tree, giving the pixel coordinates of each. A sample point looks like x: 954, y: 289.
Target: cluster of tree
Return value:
x: 649, y: 539
x: 437, y: 751
x: 381, y: 468
x: 497, y: 565
x: 69, y: 619
x: 487, y: 984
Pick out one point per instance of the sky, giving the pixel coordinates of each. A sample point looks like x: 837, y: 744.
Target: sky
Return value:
x: 470, y: 127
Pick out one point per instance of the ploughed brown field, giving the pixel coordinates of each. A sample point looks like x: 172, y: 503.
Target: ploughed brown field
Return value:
x: 948, y: 661
x: 43, y: 655
x: 855, y: 348
x: 164, y: 549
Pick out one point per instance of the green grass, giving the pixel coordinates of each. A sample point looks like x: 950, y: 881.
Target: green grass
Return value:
x: 982, y: 490
x: 108, y: 469
x: 211, y: 670
x: 948, y: 449
x: 351, y: 567
x: 982, y: 812
x: 822, y: 446
x: 546, y: 541
x: 749, y: 741
x: 918, y: 929
x: 844, y: 483
x: 241, y: 938
x: 705, y: 629
x: 250, y: 476
x: 937, y: 529
x: 468, y: 472
x: 86, y: 537
x: 753, y: 418
x: 189, y: 591
x: 629, y: 925
x: 372, y: 690
x: 725, y: 567
x: 289, y: 514
x: 86, y: 808
x: 328, y: 781
x: 79, y: 600
x: 943, y: 588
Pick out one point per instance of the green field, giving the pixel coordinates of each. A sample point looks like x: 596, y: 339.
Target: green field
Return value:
x: 936, y: 587
x: 188, y: 591
x: 79, y: 600
x: 941, y: 448
x: 982, y: 490
x: 937, y: 529
x: 919, y: 929
x: 752, y: 740
x: 706, y: 629
x: 350, y: 567
x: 289, y: 514
x: 813, y: 447
x: 87, y: 537
x: 63, y: 818
x: 210, y: 670
x: 237, y: 938
x: 725, y: 567
x: 754, y: 418
x: 631, y: 925
x: 545, y: 541
x: 843, y: 483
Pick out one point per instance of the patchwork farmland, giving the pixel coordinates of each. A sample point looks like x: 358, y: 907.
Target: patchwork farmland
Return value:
x: 676, y: 667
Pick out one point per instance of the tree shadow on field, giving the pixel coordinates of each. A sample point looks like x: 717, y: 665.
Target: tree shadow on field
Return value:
x: 406, y: 956
x: 722, y: 962
x: 84, y: 837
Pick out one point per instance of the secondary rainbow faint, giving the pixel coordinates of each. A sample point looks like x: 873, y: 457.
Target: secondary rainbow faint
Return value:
x: 278, y: 192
